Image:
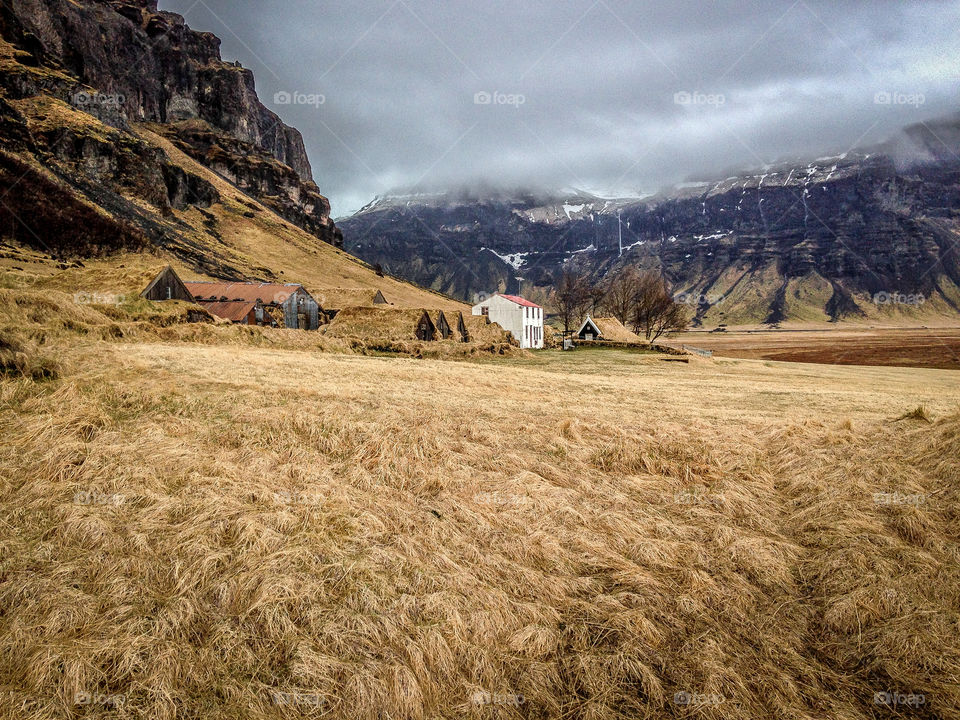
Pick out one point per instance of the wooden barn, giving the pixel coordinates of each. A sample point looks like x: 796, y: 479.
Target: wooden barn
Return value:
x: 167, y: 286
x: 272, y: 304
x: 380, y: 323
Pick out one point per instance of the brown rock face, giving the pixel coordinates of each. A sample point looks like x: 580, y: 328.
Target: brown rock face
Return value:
x: 164, y: 71
x: 123, y: 62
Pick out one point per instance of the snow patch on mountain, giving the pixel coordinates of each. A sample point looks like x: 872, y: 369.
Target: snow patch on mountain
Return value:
x: 514, y: 260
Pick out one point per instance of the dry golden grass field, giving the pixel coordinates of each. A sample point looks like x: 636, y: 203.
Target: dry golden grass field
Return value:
x: 217, y: 526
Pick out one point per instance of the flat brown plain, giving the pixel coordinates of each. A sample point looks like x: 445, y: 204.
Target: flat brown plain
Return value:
x: 922, y: 348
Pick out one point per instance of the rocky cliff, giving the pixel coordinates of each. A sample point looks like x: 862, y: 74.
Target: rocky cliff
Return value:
x: 85, y: 84
x: 830, y: 239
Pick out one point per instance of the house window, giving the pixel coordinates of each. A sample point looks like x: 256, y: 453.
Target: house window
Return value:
x: 484, y: 311
x: 169, y: 293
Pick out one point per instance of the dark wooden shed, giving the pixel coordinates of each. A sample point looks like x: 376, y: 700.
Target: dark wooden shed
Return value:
x: 167, y: 286
x: 458, y: 327
x: 443, y: 327
x: 426, y: 330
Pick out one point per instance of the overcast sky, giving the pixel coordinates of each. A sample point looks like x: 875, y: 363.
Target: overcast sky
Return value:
x: 614, y: 96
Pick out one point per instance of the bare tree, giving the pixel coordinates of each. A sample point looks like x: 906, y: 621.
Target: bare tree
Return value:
x: 620, y: 293
x: 572, y: 295
x: 654, y: 312
x: 674, y: 319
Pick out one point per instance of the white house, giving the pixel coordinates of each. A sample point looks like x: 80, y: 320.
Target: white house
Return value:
x: 522, y: 318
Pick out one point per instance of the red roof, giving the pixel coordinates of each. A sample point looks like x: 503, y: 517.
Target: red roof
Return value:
x: 518, y: 300
x: 233, y: 310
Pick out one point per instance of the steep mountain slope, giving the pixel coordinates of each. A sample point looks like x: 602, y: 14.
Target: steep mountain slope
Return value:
x: 123, y: 130
x: 870, y: 234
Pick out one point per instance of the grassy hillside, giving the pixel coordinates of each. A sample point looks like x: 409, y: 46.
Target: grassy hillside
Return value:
x: 267, y: 241
x: 236, y: 238
x: 226, y: 530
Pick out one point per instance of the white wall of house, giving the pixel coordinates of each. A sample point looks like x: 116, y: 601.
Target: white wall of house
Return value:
x: 523, y: 322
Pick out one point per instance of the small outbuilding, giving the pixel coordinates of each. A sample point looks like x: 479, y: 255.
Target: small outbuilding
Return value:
x: 607, y: 330
x: 167, y: 286
x: 459, y: 326
x: 589, y: 330
x: 380, y: 323
x: 443, y: 327
x: 450, y: 325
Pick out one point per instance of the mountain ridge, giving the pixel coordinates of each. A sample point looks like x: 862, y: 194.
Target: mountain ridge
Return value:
x: 811, y: 241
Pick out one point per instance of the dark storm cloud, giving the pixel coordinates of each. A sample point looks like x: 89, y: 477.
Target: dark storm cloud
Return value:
x: 612, y: 96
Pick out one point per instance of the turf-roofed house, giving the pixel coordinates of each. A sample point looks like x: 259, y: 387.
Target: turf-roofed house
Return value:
x: 606, y: 330
x: 390, y: 324
x: 336, y: 299
x: 284, y: 305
